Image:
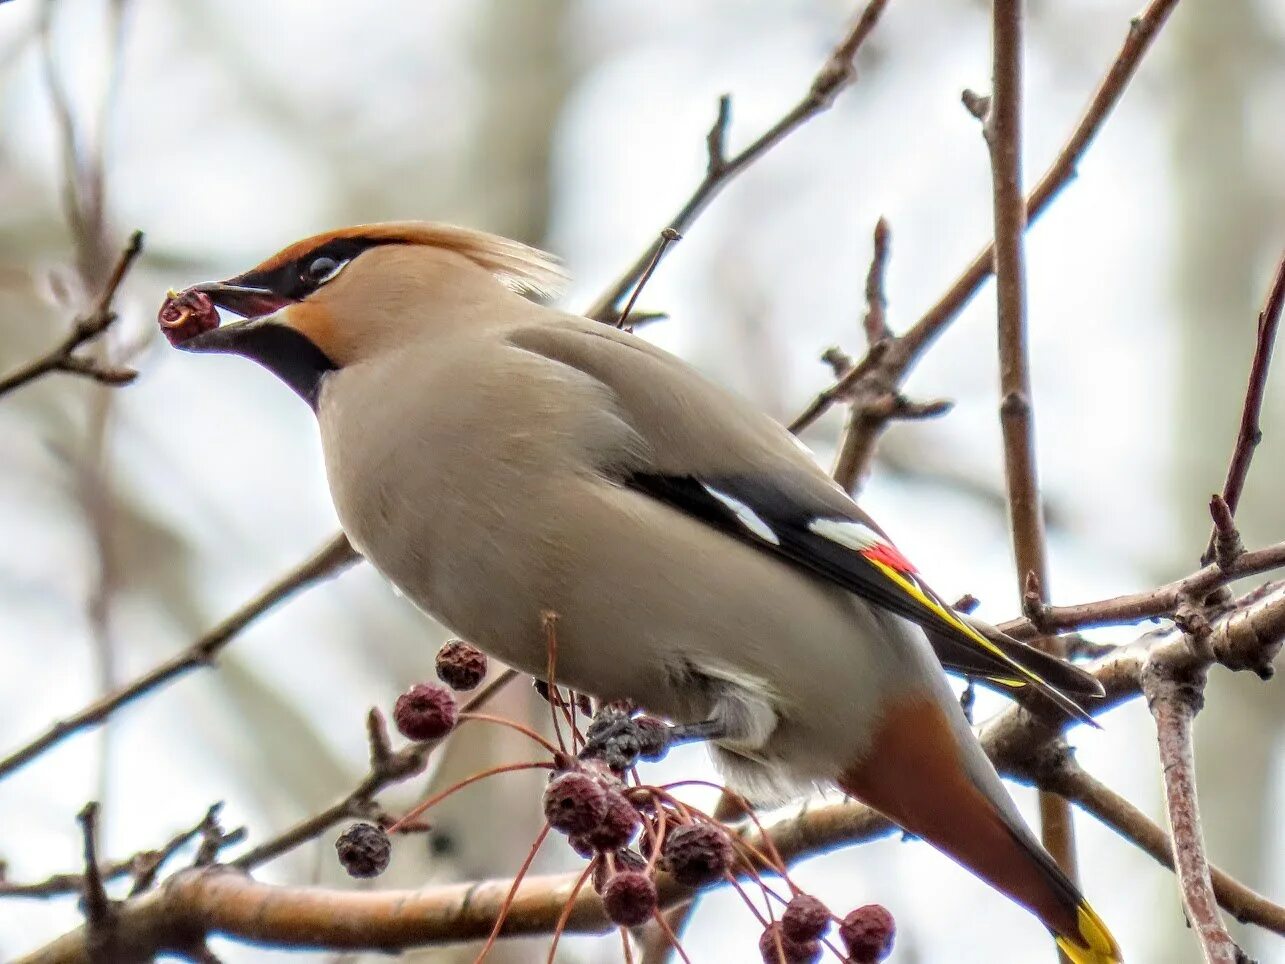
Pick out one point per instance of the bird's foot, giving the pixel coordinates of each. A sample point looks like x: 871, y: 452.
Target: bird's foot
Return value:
x: 620, y: 740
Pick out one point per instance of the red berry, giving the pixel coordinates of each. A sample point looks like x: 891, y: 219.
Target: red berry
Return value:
x: 461, y: 665
x: 426, y: 711
x: 186, y: 315
x: 574, y: 803
x: 776, y: 947
x: 868, y: 933
x: 805, y: 918
x: 618, y: 825
x: 364, y: 850
x: 697, y: 853
x: 629, y: 898
x: 622, y: 860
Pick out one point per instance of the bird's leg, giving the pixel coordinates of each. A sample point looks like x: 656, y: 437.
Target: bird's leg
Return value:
x: 714, y: 729
x: 620, y: 741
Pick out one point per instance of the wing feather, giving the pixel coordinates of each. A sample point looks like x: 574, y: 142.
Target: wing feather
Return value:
x: 853, y: 555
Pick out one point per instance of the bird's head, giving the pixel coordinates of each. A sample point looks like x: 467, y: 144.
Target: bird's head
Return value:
x: 340, y: 297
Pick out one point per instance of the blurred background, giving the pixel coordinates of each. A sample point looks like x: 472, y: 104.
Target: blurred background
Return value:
x: 133, y: 519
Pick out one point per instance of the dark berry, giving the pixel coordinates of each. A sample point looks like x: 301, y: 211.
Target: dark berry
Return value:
x: 187, y: 314
x: 621, y: 861
x: 868, y: 933
x: 461, y: 665
x: 805, y: 918
x: 618, y: 825
x: 426, y: 711
x: 776, y: 947
x: 574, y: 803
x: 629, y: 898
x: 364, y: 850
x: 582, y: 845
x: 697, y: 853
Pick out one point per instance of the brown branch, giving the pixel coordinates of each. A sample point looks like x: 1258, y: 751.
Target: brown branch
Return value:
x: 856, y: 448
x: 1096, y: 798
x: 1225, y: 543
x: 1251, y: 433
x: 667, y: 237
x: 335, y: 556
x: 1143, y: 30
x: 93, y: 900
x: 835, y: 74
x: 1003, y: 133
x: 142, y: 866
x: 386, y: 768
x: 900, y: 357
x: 1162, y: 601
x: 1175, y: 694
x: 842, y: 389
x: 62, y: 357
x: 215, y: 900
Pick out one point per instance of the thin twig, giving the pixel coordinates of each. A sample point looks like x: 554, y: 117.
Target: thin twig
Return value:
x: 142, y: 866
x: 94, y: 902
x: 62, y: 358
x: 386, y: 768
x: 667, y: 237
x: 1251, y: 432
x: 329, y: 561
x: 856, y: 448
x: 900, y: 358
x: 1174, y: 695
x: 835, y: 74
x: 1003, y: 131
x: 1162, y: 601
x: 1096, y: 798
x: 1226, y: 545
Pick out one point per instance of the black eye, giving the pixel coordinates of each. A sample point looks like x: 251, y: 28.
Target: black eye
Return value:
x: 322, y: 269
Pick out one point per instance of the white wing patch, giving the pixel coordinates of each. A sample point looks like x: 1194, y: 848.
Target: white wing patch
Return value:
x: 746, y: 516
x: 849, y: 534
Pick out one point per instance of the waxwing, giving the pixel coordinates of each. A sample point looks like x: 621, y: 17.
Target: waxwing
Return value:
x: 499, y: 460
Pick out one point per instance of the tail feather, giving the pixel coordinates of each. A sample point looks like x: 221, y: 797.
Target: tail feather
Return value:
x: 916, y: 776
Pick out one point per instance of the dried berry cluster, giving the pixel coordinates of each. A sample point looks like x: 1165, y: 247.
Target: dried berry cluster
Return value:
x: 628, y: 833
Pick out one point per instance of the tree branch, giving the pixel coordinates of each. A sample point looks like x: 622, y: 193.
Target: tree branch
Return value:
x: 1003, y: 133
x: 1175, y: 692
x: 1138, y: 606
x: 1251, y: 432
x: 219, y: 900
x: 899, y: 357
x: 1096, y: 798
x: 330, y: 560
x: 835, y: 74
x: 142, y: 866
x: 62, y: 358
x: 386, y: 768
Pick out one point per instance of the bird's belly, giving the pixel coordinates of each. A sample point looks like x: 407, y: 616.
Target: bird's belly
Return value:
x: 640, y: 601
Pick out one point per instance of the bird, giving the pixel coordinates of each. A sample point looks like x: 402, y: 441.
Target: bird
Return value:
x: 499, y: 460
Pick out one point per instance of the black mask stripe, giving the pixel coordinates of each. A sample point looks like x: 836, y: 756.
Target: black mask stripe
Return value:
x: 291, y: 280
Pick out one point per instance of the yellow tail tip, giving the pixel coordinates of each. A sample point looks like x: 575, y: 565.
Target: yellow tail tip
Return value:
x: 1093, y: 944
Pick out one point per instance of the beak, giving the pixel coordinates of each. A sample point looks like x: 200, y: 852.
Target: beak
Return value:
x: 191, y: 322
x: 243, y: 301
x: 252, y: 304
